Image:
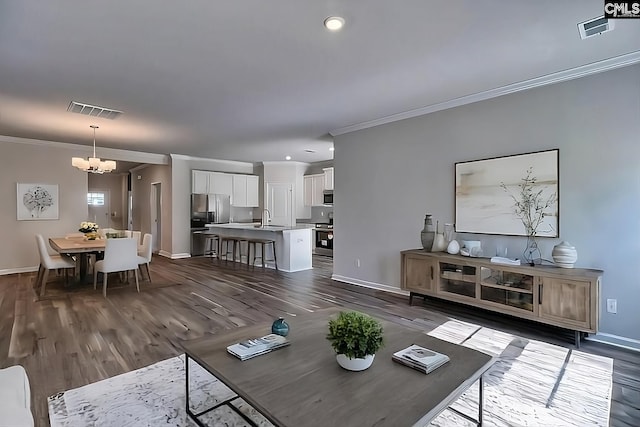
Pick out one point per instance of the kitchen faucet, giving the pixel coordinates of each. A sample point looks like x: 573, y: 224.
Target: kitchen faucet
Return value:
x: 268, y: 217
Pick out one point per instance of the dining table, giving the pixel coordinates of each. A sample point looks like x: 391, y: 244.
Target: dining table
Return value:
x: 80, y: 248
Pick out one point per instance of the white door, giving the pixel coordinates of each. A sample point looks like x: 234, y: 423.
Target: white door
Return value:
x: 156, y: 215
x: 280, y: 203
x: 99, y: 207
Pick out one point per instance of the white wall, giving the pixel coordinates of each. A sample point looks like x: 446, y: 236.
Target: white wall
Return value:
x: 43, y: 164
x: 389, y: 176
x: 141, y: 181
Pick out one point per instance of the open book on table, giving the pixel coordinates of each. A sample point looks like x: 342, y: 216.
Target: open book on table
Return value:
x: 254, y: 347
x: 420, y: 358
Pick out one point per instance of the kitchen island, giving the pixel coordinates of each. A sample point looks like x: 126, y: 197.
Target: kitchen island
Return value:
x: 293, y: 243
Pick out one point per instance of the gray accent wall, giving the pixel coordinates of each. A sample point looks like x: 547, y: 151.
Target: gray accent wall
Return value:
x: 388, y: 177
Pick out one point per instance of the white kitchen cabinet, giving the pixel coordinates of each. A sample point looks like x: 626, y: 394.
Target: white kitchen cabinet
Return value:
x: 221, y: 183
x: 245, y: 190
x: 313, y: 190
x: 199, y: 182
x: 253, y: 190
x: 328, y: 178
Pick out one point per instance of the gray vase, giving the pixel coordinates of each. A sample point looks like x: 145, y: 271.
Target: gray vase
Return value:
x: 428, y: 233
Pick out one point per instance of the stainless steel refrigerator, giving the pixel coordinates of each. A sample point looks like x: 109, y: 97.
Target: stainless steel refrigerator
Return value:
x: 207, y: 209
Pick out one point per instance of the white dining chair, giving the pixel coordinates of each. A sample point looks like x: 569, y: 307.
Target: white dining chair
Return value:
x: 144, y: 254
x: 136, y: 235
x: 49, y: 262
x: 119, y: 255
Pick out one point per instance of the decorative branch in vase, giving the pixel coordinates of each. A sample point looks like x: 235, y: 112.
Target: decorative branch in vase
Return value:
x: 530, y: 205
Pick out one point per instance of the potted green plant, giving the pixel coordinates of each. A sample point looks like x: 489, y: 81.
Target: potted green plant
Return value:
x: 355, y: 337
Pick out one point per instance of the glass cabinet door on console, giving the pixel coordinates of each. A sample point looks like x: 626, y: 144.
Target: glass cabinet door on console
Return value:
x: 457, y: 279
x: 506, y: 288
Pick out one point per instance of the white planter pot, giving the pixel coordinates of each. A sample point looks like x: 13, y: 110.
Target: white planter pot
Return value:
x: 355, y: 364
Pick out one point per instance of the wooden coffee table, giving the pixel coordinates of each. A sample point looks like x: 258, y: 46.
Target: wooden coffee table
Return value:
x: 303, y: 385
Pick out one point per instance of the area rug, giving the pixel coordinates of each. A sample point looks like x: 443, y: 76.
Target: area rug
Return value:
x: 532, y: 384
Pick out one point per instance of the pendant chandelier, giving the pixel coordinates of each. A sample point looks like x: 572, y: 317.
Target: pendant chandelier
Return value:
x: 93, y: 164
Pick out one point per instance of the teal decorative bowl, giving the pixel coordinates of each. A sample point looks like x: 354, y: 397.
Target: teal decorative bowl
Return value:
x: 280, y: 327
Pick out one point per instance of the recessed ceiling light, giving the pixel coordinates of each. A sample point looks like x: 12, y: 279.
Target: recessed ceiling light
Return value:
x: 287, y: 158
x: 334, y: 23
x: 331, y: 148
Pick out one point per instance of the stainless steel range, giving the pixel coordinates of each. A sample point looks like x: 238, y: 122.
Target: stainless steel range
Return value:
x: 324, y: 239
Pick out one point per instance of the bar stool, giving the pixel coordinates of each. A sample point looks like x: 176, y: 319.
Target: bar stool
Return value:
x: 251, y: 243
x: 233, y: 243
x: 212, y: 245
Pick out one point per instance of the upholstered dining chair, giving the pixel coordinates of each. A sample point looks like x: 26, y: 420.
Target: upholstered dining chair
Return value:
x: 49, y: 262
x: 119, y: 255
x: 135, y: 235
x: 144, y: 254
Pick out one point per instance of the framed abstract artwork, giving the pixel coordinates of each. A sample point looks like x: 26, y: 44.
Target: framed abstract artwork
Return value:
x: 37, y: 201
x: 489, y: 192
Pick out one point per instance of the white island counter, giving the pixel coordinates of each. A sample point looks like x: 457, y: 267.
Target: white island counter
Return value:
x: 293, y: 244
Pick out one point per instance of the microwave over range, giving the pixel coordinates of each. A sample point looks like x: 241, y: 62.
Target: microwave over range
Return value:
x: 327, y: 198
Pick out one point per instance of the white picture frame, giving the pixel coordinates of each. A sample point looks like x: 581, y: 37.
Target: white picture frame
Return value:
x: 37, y: 202
x: 484, y: 206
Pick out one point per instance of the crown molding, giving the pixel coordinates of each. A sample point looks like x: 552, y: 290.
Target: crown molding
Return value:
x: 207, y: 159
x: 561, y: 76
x: 111, y: 153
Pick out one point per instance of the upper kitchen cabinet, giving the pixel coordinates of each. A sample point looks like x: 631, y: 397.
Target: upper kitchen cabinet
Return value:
x: 200, y: 182
x: 328, y: 178
x: 313, y: 190
x: 245, y: 191
x: 221, y: 183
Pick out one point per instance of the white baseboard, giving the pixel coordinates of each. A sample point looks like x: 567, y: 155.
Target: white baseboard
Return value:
x: 18, y: 270
x: 615, y: 340
x: 174, y: 256
x: 371, y: 285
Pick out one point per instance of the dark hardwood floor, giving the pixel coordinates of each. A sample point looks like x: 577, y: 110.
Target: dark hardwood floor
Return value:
x: 75, y: 337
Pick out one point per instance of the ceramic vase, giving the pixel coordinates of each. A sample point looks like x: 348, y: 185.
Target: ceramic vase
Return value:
x: 355, y: 364
x: 564, y: 255
x: 439, y: 242
x: 427, y: 235
x: 280, y: 327
x: 454, y: 247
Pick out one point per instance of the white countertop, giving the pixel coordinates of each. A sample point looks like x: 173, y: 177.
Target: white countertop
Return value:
x: 252, y: 226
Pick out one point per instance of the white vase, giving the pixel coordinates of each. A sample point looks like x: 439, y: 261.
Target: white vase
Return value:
x: 453, y: 247
x: 355, y: 364
x: 564, y: 255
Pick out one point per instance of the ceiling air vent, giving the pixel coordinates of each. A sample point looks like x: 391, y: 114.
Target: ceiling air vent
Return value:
x: 93, y: 110
x: 594, y: 26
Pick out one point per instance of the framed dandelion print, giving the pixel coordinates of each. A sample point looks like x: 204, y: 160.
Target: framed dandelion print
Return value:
x: 37, y: 202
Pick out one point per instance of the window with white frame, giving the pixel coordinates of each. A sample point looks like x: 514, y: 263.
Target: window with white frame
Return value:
x: 95, y: 199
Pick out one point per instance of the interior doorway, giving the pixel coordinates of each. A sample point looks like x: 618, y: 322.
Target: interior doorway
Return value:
x: 98, y: 201
x: 156, y: 215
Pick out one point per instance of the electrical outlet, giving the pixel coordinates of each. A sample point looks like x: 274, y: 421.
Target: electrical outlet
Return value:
x: 358, y: 262
x: 612, y: 306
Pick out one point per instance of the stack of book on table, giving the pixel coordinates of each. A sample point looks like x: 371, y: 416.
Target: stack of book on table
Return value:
x: 420, y: 358
x: 255, y: 347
